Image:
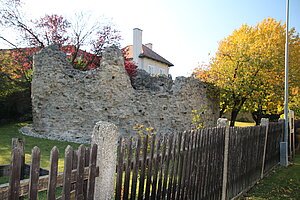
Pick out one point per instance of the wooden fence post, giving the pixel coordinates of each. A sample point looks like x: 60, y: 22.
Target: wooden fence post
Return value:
x: 105, y: 135
x: 221, y: 123
x: 264, y: 122
x: 20, y: 144
x: 15, y: 173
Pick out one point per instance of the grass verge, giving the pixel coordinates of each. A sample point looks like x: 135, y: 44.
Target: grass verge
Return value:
x: 281, y: 184
x: 7, y: 132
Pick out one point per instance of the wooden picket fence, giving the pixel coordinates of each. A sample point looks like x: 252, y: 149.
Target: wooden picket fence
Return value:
x: 189, y: 165
x: 77, y: 180
x: 246, y: 146
x: 25, y: 168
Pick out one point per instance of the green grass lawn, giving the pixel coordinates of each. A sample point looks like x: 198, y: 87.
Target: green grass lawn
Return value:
x: 7, y: 132
x: 281, y: 184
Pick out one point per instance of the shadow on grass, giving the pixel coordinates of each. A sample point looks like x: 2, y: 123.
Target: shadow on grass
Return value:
x: 281, y: 184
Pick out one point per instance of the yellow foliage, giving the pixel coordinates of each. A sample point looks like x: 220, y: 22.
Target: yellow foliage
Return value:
x: 249, y: 64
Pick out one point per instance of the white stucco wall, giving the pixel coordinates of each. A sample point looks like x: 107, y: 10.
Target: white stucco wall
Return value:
x: 146, y: 63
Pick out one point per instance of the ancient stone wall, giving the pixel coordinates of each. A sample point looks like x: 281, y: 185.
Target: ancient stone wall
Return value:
x: 67, y: 102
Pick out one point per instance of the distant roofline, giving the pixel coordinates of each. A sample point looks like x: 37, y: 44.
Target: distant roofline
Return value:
x: 138, y: 29
x: 150, y: 54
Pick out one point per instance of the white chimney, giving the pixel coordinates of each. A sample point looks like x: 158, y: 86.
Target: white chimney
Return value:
x: 137, y: 44
x: 149, y: 45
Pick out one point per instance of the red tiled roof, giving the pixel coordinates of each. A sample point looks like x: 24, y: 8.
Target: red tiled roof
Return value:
x: 146, y: 53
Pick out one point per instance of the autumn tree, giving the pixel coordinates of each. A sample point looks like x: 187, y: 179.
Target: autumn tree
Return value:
x: 249, y: 68
x: 81, y: 40
x: 295, y: 101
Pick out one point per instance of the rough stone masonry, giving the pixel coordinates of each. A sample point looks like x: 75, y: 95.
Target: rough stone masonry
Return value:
x: 67, y: 102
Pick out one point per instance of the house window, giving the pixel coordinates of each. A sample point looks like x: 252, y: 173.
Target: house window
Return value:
x: 161, y: 71
x: 150, y: 69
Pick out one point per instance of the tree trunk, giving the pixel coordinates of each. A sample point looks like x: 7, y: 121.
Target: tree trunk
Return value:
x: 257, y: 117
x: 234, y: 114
x: 222, y: 110
x: 236, y: 109
x: 254, y: 116
x: 221, y: 113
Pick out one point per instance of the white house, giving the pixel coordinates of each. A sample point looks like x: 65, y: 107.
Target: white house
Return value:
x: 145, y: 57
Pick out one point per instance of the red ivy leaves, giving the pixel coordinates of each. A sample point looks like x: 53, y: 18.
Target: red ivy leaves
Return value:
x: 130, y: 66
x: 23, y: 57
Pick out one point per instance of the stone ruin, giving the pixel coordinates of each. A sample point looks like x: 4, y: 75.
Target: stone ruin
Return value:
x: 67, y: 103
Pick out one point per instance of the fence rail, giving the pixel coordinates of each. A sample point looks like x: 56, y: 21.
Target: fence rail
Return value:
x: 5, y: 170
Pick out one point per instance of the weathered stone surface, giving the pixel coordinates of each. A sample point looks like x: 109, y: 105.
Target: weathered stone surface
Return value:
x: 222, y: 122
x: 157, y: 83
x: 67, y: 102
x: 105, y: 135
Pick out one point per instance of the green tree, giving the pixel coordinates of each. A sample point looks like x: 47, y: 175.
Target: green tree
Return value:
x: 249, y: 67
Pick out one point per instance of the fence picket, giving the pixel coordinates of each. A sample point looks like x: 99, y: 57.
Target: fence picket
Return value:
x: 186, y: 165
x: 74, y: 166
x: 176, y: 166
x: 195, y: 163
x: 216, y: 162
x: 156, y: 167
x: 161, y: 162
x: 164, y: 170
x: 143, y: 169
x: 128, y: 169
x: 15, y: 173
x: 182, y: 159
x: 205, y: 164
x: 194, y: 166
x: 149, y: 171
x: 75, y: 159
x: 135, y: 169
x: 198, y: 163
x: 172, y: 158
x: 19, y: 143
x: 212, y: 164
x: 67, y: 173
x: 52, y: 173
x: 92, y: 172
x: 254, y: 153
x: 209, y: 163
x: 79, y: 195
x: 86, y: 164
x: 221, y: 158
x: 119, y: 170
x: 34, y: 173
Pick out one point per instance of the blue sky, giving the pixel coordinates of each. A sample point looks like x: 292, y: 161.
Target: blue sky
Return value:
x: 182, y: 31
